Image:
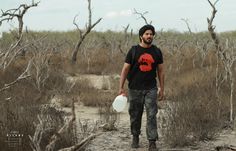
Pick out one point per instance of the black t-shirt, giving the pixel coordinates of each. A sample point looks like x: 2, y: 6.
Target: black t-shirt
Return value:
x: 142, y: 74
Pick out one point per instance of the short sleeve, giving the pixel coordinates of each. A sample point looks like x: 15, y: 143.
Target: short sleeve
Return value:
x: 128, y: 58
x: 160, y: 56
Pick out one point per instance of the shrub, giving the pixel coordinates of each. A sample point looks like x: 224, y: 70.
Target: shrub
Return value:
x: 193, y: 116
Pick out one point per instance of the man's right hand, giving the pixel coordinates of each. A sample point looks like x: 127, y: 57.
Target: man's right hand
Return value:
x: 122, y: 92
x: 123, y: 76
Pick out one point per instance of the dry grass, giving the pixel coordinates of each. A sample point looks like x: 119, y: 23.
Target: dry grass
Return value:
x: 108, y: 116
x: 21, y: 104
x: 190, y: 81
x: 195, y: 114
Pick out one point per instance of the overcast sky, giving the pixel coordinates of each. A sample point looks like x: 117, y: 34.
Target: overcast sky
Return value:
x: 116, y: 14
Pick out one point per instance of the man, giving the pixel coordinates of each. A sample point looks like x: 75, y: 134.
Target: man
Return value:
x: 142, y: 64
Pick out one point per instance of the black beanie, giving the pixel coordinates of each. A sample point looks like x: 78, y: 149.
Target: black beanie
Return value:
x: 146, y: 27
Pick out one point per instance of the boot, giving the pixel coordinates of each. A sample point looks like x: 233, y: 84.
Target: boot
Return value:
x: 135, y: 142
x: 152, y: 146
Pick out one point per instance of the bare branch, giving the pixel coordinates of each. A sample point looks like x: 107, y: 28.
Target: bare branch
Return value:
x: 80, y: 146
x: 225, y: 57
x: 10, y: 54
x: 37, y: 138
x: 124, y: 42
x: 90, y: 14
x: 41, y: 67
x: 77, y: 26
x: 24, y: 75
x: 6, y: 55
x: 186, y: 22
x: 126, y: 29
x: 13, y: 51
x: 63, y: 130
x: 89, y: 27
x: 211, y: 29
x: 12, y: 13
x: 142, y: 16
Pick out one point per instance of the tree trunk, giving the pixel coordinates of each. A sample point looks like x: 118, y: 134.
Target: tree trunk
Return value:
x: 231, y: 96
x: 74, y: 56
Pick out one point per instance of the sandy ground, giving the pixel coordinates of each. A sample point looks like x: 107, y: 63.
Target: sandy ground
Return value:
x: 116, y: 140
x: 120, y: 139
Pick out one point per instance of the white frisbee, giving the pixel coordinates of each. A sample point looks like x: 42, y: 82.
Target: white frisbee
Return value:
x: 119, y: 103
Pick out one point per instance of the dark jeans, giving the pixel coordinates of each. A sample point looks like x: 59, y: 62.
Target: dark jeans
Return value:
x: 138, y: 99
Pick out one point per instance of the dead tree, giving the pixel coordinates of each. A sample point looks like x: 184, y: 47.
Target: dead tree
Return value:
x: 87, y: 50
x: 6, y: 57
x: 83, y: 34
x: 211, y: 29
x: 227, y: 57
x: 187, y: 24
x: 142, y: 16
x: 17, y: 13
x: 41, y: 130
x: 124, y: 43
x: 64, y: 129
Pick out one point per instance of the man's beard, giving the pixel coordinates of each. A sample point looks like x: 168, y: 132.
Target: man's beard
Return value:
x: 147, y: 42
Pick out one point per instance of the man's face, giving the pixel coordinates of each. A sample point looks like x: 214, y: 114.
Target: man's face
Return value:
x: 147, y: 37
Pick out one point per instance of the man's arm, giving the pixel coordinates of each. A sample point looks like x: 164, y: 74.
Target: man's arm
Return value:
x: 123, y: 76
x: 161, y: 77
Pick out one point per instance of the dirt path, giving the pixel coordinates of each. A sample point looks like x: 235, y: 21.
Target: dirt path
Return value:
x: 225, y: 141
x: 120, y: 139
x: 117, y: 140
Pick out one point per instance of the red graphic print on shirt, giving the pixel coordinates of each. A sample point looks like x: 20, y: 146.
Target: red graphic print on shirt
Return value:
x: 145, y: 61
